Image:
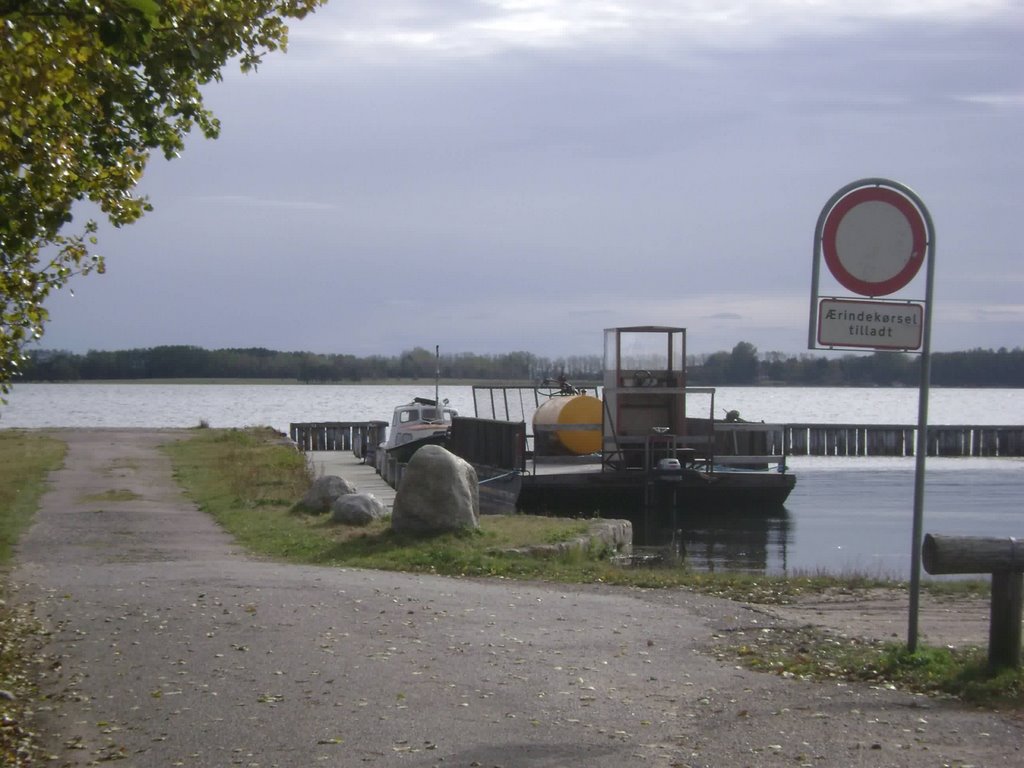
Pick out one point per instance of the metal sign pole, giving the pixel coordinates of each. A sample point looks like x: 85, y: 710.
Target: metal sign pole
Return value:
x: 922, y: 432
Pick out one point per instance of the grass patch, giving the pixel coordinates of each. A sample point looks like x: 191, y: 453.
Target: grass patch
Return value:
x: 247, y: 483
x: 810, y: 653
x: 250, y: 483
x: 27, y: 459
x: 953, y: 588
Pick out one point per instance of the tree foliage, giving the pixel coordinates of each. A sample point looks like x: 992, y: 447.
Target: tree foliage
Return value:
x: 90, y: 88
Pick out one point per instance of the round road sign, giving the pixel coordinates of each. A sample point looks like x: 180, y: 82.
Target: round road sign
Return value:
x: 874, y: 241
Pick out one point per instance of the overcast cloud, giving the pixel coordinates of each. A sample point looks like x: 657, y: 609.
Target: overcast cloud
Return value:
x: 498, y: 176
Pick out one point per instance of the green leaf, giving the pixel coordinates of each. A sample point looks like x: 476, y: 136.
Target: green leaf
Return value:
x: 148, y: 8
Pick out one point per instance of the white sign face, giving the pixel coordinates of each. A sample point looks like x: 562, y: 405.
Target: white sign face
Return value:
x: 870, y: 231
x: 874, y: 241
x: 870, y: 324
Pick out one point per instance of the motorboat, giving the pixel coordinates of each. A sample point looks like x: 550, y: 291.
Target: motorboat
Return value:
x: 415, y: 424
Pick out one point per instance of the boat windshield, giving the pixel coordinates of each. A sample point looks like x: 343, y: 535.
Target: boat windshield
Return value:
x: 407, y: 415
x: 430, y: 414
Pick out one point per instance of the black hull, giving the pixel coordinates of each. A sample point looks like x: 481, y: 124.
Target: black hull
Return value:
x: 499, y: 491
x: 402, y: 453
x: 617, y: 494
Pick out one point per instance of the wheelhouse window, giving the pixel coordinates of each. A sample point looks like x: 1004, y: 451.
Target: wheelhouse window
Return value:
x: 408, y: 415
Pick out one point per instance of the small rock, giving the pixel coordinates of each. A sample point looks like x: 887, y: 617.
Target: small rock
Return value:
x: 357, y: 509
x: 324, y: 492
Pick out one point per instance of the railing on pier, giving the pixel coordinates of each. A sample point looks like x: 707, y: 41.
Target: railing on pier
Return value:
x: 865, y: 440
x: 360, y: 437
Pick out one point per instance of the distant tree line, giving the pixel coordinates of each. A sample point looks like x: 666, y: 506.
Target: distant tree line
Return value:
x: 742, y: 366
x: 188, y: 362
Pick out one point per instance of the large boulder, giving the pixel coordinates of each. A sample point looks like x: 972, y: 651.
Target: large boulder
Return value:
x: 324, y: 492
x: 439, y: 492
x: 357, y: 509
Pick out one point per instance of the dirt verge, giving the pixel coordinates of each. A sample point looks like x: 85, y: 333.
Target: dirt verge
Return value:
x: 883, y: 614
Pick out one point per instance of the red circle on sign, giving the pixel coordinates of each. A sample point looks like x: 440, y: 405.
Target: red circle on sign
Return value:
x: 857, y: 209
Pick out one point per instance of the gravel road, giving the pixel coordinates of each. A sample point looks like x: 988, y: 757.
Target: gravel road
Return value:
x: 171, y: 646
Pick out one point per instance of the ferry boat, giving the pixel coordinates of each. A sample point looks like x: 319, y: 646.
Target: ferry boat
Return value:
x: 637, y: 447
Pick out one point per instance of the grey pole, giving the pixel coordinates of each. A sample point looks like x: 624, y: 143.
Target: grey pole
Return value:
x: 922, y: 429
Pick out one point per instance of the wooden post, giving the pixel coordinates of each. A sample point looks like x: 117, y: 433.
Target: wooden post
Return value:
x: 1004, y: 559
x: 1005, y: 619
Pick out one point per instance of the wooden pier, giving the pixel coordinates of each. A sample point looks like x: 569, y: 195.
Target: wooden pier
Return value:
x: 363, y: 476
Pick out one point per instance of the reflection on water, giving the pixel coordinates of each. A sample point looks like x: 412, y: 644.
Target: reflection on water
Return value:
x: 844, y: 517
x: 737, y: 540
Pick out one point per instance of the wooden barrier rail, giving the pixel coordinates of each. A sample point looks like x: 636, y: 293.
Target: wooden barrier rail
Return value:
x: 865, y: 440
x: 360, y: 437
x: 1004, y: 559
x: 750, y: 439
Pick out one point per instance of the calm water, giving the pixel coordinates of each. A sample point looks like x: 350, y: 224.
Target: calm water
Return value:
x: 845, y: 514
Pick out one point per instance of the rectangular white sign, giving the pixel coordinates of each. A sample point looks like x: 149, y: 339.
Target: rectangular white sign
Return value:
x: 870, y: 324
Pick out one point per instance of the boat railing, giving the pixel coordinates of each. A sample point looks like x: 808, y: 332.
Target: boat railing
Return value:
x: 752, y: 445
x: 489, y: 442
x: 516, y: 402
x: 698, y: 452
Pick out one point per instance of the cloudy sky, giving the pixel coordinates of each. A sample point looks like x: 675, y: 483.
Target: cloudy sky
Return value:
x: 499, y: 175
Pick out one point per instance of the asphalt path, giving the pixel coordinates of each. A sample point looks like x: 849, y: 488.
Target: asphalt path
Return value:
x: 169, y: 646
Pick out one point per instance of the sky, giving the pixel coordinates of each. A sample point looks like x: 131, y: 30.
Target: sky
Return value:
x: 501, y: 175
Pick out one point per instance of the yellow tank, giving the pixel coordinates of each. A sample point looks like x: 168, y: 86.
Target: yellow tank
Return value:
x: 568, y: 424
